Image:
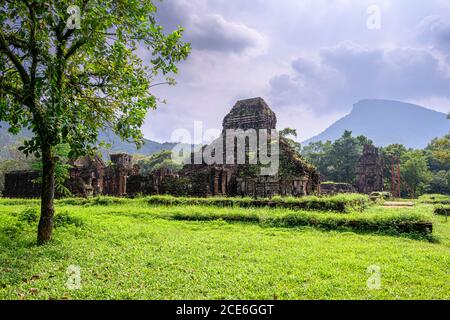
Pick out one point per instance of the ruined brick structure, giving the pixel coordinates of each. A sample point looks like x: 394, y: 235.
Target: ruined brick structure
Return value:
x: 90, y: 176
x: 369, y: 171
x: 19, y: 184
x: 295, y: 176
x: 87, y: 176
x: 335, y: 188
x: 116, y: 175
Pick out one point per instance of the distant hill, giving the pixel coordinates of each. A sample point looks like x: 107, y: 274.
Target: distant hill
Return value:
x: 387, y: 122
x: 149, y: 147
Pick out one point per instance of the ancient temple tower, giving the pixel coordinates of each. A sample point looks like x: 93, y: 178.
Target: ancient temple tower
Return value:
x: 369, y: 171
x: 250, y: 114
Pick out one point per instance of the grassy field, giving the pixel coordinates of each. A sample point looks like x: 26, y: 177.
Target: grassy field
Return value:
x: 128, y: 249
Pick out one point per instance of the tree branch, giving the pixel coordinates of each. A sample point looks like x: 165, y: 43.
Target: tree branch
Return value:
x: 77, y: 45
x: 14, y: 59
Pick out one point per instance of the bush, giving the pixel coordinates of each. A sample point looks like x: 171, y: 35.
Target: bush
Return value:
x: 64, y: 219
x: 392, y: 224
x: 339, y: 203
x: 434, y: 199
x: 106, y: 201
x: 96, y: 201
x: 73, y: 201
x: 443, y: 210
x: 29, y: 215
x: 389, y: 225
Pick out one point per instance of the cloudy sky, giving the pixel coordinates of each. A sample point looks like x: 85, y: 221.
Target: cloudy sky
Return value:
x: 311, y: 60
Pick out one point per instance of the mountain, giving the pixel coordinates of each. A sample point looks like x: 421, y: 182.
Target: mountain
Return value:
x: 117, y: 145
x: 387, y: 122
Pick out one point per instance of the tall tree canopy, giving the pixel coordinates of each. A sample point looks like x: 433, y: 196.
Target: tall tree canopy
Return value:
x: 337, y: 160
x: 71, y: 68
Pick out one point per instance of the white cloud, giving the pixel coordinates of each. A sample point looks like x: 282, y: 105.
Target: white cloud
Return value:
x: 311, y: 60
x: 349, y: 72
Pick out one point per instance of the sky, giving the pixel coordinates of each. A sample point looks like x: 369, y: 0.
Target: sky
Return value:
x: 311, y: 60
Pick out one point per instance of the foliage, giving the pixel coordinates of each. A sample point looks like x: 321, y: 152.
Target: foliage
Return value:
x: 289, y: 132
x: 67, y: 83
x: 337, y: 160
x: 440, y: 182
x: 157, y: 161
x: 82, y: 79
x: 443, y: 210
x: 434, y: 199
x: 415, y: 172
x: 29, y: 215
x: 440, y: 148
x: 62, y: 170
x: 339, y: 203
x: 65, y: 219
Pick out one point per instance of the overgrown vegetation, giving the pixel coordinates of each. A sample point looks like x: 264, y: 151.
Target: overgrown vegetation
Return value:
x: 434, y: 199
x: 129, y: 250
x: 443, y: 210
x: 337, y: 160
x: 157, y: 161
x: 412, y: 224
x: 339, y: 203
x: 422, y: 171
x: 67, y: 80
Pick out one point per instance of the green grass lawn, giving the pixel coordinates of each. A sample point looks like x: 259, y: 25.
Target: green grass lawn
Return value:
x: 130, y: 250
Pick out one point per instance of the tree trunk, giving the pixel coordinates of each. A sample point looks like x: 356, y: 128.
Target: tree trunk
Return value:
x: 45, y: 227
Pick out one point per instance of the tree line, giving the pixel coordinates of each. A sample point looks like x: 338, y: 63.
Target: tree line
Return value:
x: 422, y: 171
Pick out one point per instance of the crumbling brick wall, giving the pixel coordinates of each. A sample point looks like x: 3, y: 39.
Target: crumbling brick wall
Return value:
x: 369, y: 171
x: 335, y: 188
x: 20, y: 184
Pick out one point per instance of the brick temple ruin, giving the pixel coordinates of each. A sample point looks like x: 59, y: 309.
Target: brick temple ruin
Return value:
x: 369, y: 175
x: 90, y: 176
x: 369, y: 171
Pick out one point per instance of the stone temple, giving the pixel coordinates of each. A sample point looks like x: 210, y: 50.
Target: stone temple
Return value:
x: 295, y: 176
x: 91, y: 176
x: 369, y: 171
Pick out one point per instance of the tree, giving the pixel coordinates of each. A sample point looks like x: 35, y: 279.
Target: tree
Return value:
x: 440, y: 148
x: 440, y: 182
x: 62, y: 169
x: 415, y: 172
x: 336, y: 161
x: 68, y: 72
x: 159, y: 160
x: 318, y: 153
x: 288, y: 132
x: 390, y: 155
x: 345, y: 154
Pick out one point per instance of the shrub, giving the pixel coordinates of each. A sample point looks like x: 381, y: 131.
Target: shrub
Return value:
x: 29, y: 215
x: 443, y: 210
x: 64, y: 219
x: 434, y: 199
x: 12, y: 231
x: 392, y: 224
x: 339, y: 203
x: 106, y: 201
x: 73, y: 201
x: 96, y: 201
